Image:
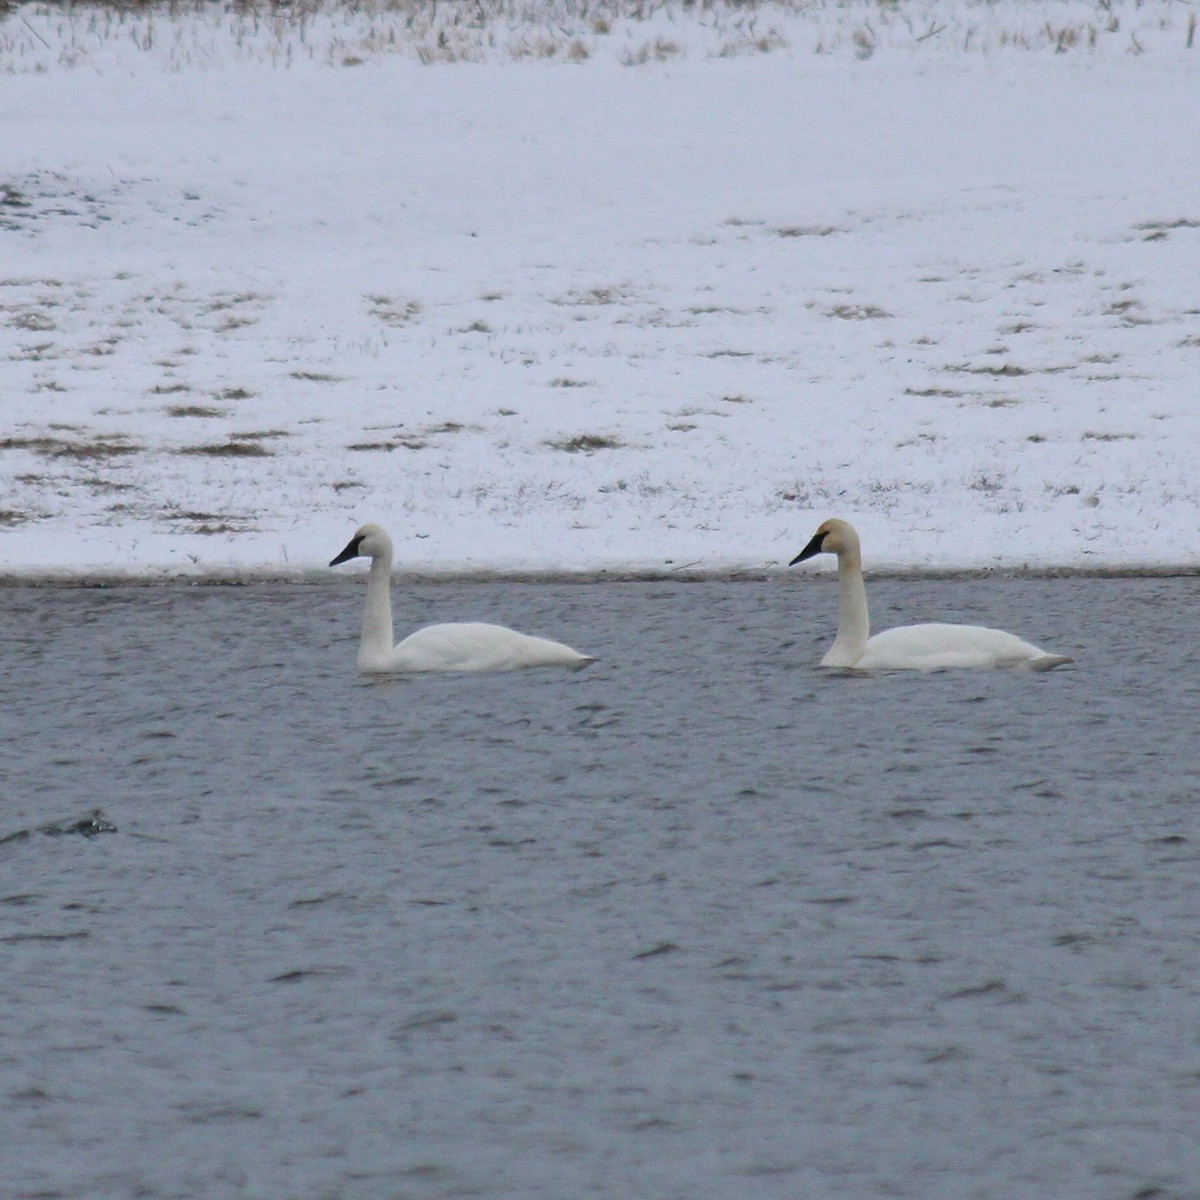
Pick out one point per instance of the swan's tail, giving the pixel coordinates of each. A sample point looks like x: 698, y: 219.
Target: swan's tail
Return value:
x: 1048, y: 662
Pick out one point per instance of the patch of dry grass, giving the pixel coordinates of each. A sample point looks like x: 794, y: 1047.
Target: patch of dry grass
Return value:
x: 586, y: 443
x: 344, y: 33
x: 406, y: 443
x: 595, y: 296
x: 229, y: 449
x: 207, y: 522
x: 856, y: 312
x: 805, y: 231
x: 659, y: 50
x: 393, y: 312
x: 202, y: 411
x: 56, y: 447
x: 1004, y: 371
x: 317, y: 377
x: 416, y: 439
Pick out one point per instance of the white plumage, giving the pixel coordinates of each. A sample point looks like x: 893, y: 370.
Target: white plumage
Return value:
x: 461, y: 646
x: 932, y: 647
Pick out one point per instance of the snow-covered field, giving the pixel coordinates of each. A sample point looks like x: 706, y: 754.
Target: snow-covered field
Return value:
x: 571, y: 289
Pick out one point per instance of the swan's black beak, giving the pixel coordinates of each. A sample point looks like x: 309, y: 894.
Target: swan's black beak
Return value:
x: 351, y: 551
x: 810, y: 551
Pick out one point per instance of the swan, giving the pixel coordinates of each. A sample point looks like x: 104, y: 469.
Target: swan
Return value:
x: 463, y: 646
x: 932, y: 647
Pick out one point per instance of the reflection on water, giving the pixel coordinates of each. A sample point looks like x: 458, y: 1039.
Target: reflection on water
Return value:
x: 702, y: 921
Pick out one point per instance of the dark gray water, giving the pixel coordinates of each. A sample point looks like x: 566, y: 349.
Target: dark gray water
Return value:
x: 702, y: 922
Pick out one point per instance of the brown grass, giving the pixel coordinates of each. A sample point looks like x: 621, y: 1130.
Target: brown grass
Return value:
x: 194, y: 410
x: 52, y: 447
x: 585, y: 443
x: 230, y: 449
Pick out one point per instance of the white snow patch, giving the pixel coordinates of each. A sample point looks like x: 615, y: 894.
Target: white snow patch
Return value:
x: 552, y: 311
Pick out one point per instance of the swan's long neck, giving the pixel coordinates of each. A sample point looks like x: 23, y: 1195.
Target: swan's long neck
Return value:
x: 854, y: 624
x: 376, y: 641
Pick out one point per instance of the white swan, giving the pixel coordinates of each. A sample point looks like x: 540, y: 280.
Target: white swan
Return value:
x: 466, y: 646
x: 932, y: 647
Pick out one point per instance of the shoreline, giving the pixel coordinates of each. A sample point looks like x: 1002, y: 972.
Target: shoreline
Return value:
x: 317, y: 577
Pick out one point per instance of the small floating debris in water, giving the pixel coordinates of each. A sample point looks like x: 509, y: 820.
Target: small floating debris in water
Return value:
x: 94, y: 823
x: 654, y: 951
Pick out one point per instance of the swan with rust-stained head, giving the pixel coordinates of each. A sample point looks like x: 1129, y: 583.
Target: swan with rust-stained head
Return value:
x: 933, y: 647
x: 462, y: 646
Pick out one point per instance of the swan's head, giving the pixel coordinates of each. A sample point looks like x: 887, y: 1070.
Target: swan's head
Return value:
x: 369, y: 542
x: 833, y: 537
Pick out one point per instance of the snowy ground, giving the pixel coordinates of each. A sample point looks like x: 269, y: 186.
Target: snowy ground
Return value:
x: 577, y: 293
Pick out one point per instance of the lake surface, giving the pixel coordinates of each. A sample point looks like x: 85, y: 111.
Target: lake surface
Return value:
x: 701, y: 922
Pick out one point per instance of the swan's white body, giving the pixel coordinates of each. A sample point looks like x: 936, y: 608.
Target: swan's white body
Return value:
x: 465, y: 646
x: 933, y: 647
